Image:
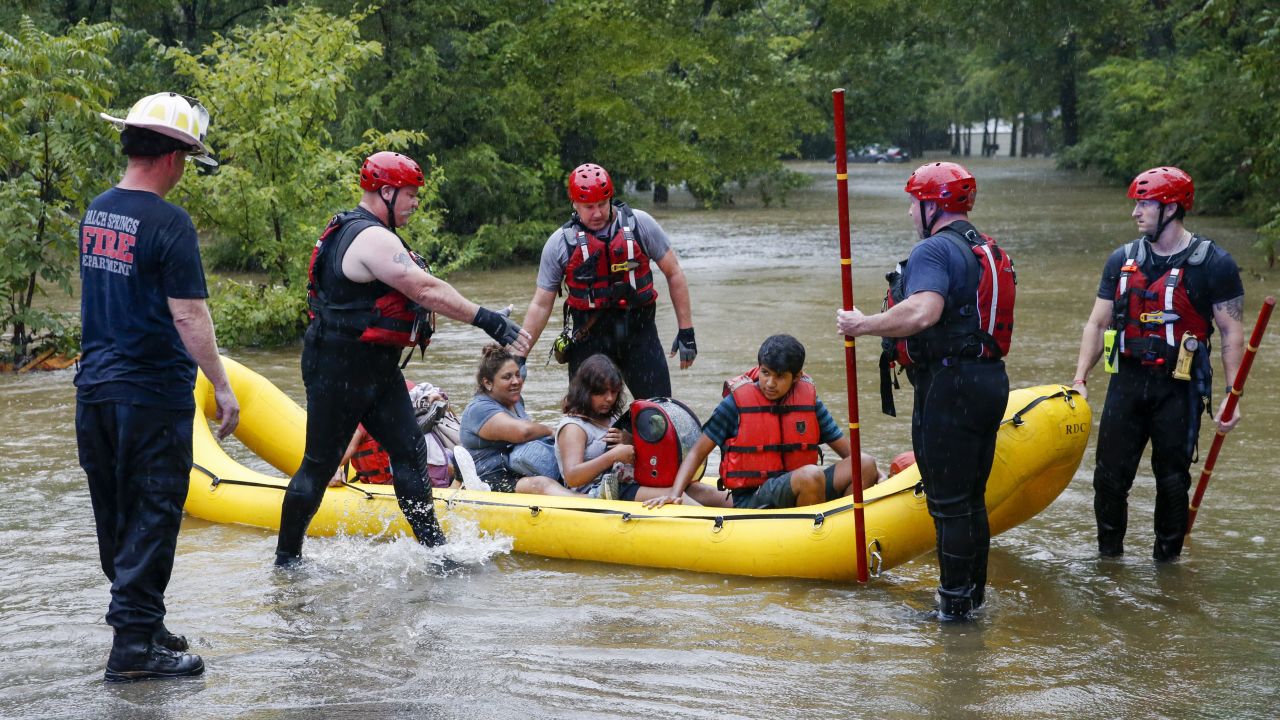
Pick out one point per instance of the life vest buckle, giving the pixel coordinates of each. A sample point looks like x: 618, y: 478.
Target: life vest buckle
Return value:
x: 624, y: 266
x: 1158, y: 317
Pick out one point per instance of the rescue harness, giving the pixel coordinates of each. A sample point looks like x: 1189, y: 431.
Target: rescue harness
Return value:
x: 981, y: 329
x: 380, y: 314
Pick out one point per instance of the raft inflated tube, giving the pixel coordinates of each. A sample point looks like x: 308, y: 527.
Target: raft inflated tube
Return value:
x: 1039, y: 448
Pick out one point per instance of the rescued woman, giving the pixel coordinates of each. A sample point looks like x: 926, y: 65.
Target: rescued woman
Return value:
x: 511, y: 452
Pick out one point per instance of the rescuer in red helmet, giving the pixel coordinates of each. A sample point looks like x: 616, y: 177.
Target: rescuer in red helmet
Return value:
x: 1152, y: 320
x: 370, y: 298
x: 604, y: 256
x: 948, y: 323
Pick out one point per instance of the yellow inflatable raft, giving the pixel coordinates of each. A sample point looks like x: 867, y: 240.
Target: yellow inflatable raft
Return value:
x: 1040, y: 446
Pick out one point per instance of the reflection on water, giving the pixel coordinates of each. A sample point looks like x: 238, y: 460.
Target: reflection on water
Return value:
x: 370, y: 628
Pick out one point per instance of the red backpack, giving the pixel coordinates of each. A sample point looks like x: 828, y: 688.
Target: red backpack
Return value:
x: 981, y: 328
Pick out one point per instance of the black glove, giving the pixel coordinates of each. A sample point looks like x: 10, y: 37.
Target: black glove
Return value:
x: 685, y: 345
x: 501, y: 328
x: 523, y: 363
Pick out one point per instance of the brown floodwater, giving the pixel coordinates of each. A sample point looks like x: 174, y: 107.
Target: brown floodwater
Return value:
x: 366, y: 630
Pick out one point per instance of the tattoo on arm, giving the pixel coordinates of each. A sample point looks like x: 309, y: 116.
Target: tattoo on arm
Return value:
x: 1233, y: 307
x: 402, y: 258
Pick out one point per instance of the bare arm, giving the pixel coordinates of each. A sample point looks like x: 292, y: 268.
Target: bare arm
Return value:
x: 1091, y: 342
x: 195, y: 328
x: 841, y: 446
x: 921, y: 310
x: 678, y: 286
x: 505, y: 428
x: 571, y: 447
x: 340, y: 475
x: 376, y: 253
x: 535, y: 320
x: 1229, y: 316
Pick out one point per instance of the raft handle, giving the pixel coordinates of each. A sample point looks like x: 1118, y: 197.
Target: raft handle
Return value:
x: 214, y: 479
x: 626, y: 517
x: 874, y: 559
x: 918, y: 490
x: 367, y: 495
x: 818, y: 520
x: 719, y: 524
x: 534, y: 511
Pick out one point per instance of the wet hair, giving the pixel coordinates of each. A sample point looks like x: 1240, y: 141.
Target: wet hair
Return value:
x: 596, y: 375
x: 136, y: 142
x: 492, y: 358
x: 781, y: 353
x: 1180, y: 213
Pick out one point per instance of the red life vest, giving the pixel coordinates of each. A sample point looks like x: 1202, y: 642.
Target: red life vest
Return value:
x: 1153, y: 315
x: 602, y: 275
x: 372, y: 463
x: 378, y: 313
x: 981, y: 328
x: 773, y: 437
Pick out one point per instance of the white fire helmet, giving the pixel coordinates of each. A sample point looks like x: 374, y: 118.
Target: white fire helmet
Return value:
x: 177, y: 116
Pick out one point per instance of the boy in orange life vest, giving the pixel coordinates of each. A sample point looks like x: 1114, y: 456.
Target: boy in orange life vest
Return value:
x: 768, y: 432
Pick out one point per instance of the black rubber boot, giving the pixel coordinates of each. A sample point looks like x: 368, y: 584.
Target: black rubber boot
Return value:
x: 954, y: 609
x: 135, y: 657
x: 166, y: 639
x: 288, y: 559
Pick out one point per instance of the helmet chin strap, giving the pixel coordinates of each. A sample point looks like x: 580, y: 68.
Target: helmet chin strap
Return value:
x: 391, y: 208
x: 928, y: 223
x: 1160, y: 225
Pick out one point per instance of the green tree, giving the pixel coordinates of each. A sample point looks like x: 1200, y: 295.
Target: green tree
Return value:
x: 514, y: 94
x: 1198, y: 93
x: 274, y: 92
x: 56, y: 156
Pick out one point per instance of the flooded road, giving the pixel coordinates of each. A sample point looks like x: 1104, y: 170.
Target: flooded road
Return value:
x: 366, y: 630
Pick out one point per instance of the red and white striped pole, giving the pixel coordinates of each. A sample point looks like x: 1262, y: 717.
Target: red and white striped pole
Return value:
x: 851, y: 368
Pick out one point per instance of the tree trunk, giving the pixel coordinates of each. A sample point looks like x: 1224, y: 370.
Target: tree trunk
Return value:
x: 1026, y: 133
x: 916, y: 130
x: 190, y: 12
x: 660, y: 194
x: 968, y: 141
x: 955, y: 138
x: 986, y: 135
x: 1067, y: 97
x: 1013, y: 136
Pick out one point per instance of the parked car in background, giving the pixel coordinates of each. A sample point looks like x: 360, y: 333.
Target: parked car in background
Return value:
x: 875, y: 154
x: 896, y: 155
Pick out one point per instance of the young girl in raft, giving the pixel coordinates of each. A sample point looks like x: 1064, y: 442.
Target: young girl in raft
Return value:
x: 588, y: 447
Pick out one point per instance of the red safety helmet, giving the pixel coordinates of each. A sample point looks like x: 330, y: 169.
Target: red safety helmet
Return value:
x: 589, y: 183
x: 1164, y: 185
x: 946, y: 183
x: 390, y: 169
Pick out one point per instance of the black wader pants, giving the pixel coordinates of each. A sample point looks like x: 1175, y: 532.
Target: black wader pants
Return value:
x: 958, y: 408
x: 350, y: 383
x: 630, y: 338
x: 1143, y: 405
x: 138, y: 463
